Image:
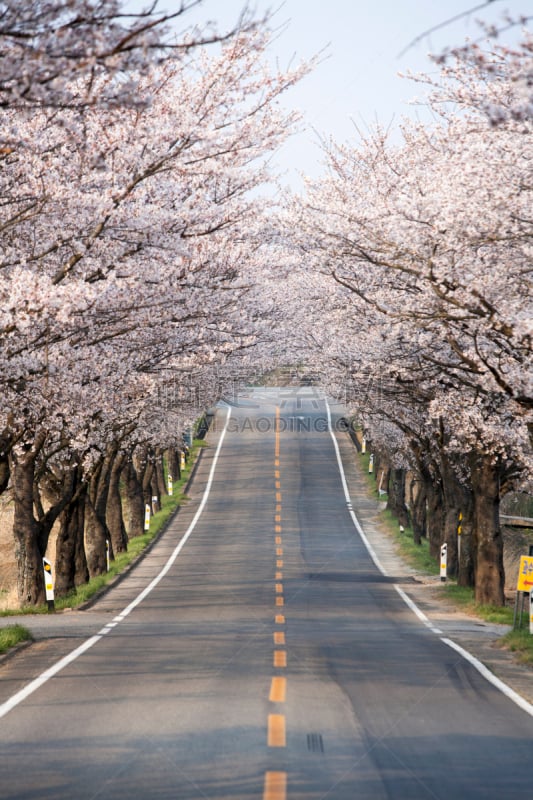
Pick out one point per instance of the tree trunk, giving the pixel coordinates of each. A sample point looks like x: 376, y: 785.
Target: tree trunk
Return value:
x: 71, y: 562
x: 134, y: 498
x: 173, y: 461
x: 466, y: 574
x: 396, y: 501
x: 30, y: 580
x: 487, y: 535
x: 418, y: 503
x: 435, y: 518
x: 97, y: 534
x: 114, y: 514
x: 147, y: 480
x: 160, y: 473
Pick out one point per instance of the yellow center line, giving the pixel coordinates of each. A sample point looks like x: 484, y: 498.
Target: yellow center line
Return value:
x: 276, y: 474
x: 278, y: 497
x: 279, y: 551
x: 279, y: 637
x: 276, y: 730
x: 278, y: 540
x: 279, y: 575
x: 278, y: 690
x: 279, y: 619
x: 279, y: 600
x: 275, y: 786
x: 279, y: 588
x: 278, y: 508
x: 277, y: 518
x: 279, y: 563
x: 280, y: 658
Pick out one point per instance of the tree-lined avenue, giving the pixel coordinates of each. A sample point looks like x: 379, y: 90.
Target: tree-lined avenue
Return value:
x: 272, y: 660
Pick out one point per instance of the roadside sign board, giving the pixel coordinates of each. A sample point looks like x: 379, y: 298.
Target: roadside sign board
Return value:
x: 525, y: 574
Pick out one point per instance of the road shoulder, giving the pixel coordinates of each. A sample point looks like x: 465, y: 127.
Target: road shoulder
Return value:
x: 478, y: 637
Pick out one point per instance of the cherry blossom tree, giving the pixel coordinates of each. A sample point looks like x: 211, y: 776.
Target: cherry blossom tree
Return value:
x: 129, y: 243
x: 430, y: 240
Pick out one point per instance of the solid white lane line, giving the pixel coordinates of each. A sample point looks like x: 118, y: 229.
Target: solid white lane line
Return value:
x: 358, y: 527
x: 487, y: 674
x: 45, y: 676
x: 491, y: 677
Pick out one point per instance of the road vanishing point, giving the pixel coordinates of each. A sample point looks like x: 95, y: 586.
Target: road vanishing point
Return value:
x: 259, y: 651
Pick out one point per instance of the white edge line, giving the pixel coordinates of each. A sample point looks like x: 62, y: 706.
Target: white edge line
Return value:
x: 491, y: 677
x: 358, y: 527
x: 45, y: 676
x: 481, y: 668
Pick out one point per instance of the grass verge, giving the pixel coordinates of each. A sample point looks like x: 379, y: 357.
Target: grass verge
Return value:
x: 13, y: 635
x: 463, y: 598
x: 136, y: 545
x: 521, y: 643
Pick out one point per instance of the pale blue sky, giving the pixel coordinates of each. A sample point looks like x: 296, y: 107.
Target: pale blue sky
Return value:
x: 357, y: 82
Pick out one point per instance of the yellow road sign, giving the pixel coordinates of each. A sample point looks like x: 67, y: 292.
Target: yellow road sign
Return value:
x: 525, y: 574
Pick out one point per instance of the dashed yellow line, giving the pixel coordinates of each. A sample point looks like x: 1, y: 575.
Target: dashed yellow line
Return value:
x: 276, y: 736
x: 280, y: 658
x: 278, y: 690
x: 275, y: 786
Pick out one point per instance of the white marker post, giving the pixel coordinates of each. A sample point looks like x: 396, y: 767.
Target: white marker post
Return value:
x: 48, y: 585
x: 363, y: 446
x: 371, y: 463
x: 443, y: 561
x: 459, y: 532
x: 182, y: 460
x: 107, y: 554
x: 147, y: 517
x: 170, y: 488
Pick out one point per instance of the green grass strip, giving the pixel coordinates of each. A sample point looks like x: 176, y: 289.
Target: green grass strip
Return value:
x: 521, y: 643
x: 13, y: 635
x: 463, y: 598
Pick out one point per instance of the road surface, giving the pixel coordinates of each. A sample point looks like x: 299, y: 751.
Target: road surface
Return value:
x: 272, y: 659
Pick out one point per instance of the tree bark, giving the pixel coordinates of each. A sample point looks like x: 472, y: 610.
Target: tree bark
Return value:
x: 173, y: 461
x: 114, y: 513
x: 435, y: 518
x: 134, y: 498
x: 396, y: 500
x: 30, y: 580
x: 418, y: 492
x: 97, y: 533
x: 487, y: 535
x: 160, y: 473
x: 71, y: 562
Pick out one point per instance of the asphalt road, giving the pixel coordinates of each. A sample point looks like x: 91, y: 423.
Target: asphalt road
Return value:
x: 272, y: 660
